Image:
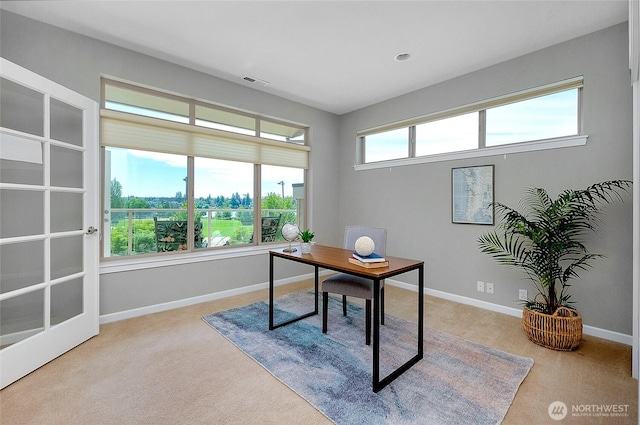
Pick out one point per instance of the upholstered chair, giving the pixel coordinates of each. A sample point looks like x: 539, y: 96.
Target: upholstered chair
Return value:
x: 355, y: 286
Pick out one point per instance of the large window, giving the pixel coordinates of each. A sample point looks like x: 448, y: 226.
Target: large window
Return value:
x: 283, y: 194
x: 544, y: 117
x: 447, y: 135
x: 143, y: 186
x: 546, y: 113
x: 386, y: 145
x: 223, y: 197
x: 185, y: 176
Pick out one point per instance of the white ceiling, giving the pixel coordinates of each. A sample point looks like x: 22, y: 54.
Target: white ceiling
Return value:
x: 334, y: 55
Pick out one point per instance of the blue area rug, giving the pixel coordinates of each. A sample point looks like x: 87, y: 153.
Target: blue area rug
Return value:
x: 457, y: 382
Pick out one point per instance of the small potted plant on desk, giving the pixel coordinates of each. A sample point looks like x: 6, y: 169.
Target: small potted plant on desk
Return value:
x: 307, y: 237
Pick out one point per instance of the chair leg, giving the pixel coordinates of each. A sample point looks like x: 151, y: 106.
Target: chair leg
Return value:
x: 382, y: 306
x: 367, y: 314
x: 325, y: 309
x: 344, y: 305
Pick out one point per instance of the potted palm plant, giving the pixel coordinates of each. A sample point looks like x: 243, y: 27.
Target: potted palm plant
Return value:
x: 307, y: 237
x: 545, y: 242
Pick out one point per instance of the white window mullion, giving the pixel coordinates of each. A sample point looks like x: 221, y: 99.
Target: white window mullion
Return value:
x: 482, y: 129
x: 412, y: 142
x: 190, y: 203
x: 257, y: 202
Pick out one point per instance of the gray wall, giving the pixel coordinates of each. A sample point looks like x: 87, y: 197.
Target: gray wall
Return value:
x: 77, y: 62
x: 413, y: 202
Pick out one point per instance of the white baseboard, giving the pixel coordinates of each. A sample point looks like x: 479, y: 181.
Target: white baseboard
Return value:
x: 137, y: 312
x: 587, y: 330
x: 128, y: 314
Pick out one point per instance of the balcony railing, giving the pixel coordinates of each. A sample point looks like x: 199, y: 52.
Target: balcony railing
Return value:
x: 132, y: 231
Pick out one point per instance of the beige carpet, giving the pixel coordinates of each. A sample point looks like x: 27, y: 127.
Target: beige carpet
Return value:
x: 170, y: 368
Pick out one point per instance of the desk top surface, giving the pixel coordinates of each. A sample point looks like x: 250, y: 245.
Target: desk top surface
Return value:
x: 338, y: 259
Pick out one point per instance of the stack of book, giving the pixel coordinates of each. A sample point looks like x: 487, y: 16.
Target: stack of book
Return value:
x: 370, y: 261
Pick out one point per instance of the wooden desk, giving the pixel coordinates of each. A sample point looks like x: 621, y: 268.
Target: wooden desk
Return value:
x: 337, y: 259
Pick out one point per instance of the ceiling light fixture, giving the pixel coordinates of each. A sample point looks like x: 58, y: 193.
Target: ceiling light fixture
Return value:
x: 403, y: 57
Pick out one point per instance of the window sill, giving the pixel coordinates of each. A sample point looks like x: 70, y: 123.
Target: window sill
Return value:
x: 538, y: 145
x: 150, y: 262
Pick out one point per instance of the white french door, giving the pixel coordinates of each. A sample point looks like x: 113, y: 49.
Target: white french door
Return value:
x: 49, y: 248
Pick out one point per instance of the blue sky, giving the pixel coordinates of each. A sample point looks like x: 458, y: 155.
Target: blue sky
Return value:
x: 150, y: 174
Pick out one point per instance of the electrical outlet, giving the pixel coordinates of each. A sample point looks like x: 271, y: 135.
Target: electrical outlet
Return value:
x: 489, y: 287
x: 522, y: 295
x: 480, y: 286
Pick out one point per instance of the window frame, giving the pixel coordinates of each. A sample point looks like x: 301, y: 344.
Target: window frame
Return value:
x: 272, y: 148
x: 482, y: 150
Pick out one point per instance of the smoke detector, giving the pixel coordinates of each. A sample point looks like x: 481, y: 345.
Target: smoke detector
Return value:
x: 254, y: 80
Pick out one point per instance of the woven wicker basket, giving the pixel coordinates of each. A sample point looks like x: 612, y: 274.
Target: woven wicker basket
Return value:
x: 560, y: 331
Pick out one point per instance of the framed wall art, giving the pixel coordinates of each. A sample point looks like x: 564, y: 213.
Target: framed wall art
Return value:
x: 472, y: 195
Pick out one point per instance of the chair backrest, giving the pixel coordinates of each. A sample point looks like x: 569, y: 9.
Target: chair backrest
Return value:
x: 379, y: 236
x: 269, y: 228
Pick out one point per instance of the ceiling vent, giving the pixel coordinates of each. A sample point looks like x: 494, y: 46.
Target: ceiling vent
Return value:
x: 254, y: 80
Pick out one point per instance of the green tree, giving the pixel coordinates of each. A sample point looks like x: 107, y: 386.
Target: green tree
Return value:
x: 245, y: 217
x: 218, y: 201
x: 134, y: 202
x: 144, y: 237
x: 236, y: 201
x: 116, y: 194
x: 246, y: 201
x: 275, y: 202
x: 119, y: 241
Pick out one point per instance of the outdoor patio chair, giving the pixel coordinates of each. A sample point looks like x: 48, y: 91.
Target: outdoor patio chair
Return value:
x: 171, y: 235
x: 269, y: 228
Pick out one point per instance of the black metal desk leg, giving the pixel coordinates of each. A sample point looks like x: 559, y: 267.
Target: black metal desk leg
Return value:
x: 376, y: 335
x: 270, y: 292
x: 420, y: 310
x: 273, y: 325
x: 378, y: 383
x: 316, y: 287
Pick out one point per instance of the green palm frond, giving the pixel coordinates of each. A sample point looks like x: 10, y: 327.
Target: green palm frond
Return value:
x: 545, y: 241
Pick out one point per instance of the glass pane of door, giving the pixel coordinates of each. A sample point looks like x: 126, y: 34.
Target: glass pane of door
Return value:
x: 22, y: 108
x: 66, y: 167
x: 66, y: 300
x: 66, y: 211
x: 21, y: 317
x: 21, y: 265
x: 66, y: 123
x: 21, y: 159
x: 66, y: 256
x: 21, y: 213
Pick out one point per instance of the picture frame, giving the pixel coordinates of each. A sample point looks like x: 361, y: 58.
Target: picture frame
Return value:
x: 472, y: 195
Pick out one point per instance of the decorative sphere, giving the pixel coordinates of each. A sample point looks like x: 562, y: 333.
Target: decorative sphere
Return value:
x: 290, y: 232
x: 365, y: 246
